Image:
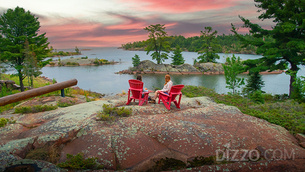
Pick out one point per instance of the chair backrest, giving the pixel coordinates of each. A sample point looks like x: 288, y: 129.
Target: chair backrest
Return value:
x: 176, y: 89
x: 135, y: 84
x: 136, y: 87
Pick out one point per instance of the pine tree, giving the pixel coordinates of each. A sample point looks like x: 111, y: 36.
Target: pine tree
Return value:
x: 177, y: 57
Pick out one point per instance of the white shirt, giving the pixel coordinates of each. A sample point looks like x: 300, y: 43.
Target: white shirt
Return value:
x: 167, y: 87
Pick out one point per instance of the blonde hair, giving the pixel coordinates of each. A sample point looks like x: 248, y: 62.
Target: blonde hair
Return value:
x: 167, y: 79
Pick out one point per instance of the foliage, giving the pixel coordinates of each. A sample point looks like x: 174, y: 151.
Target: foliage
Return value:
x: 77, y: 51
x: 62, y: 103
x: 100, y: 61
x: 4, y: 121
x: 209, y: 46
x: 257, y: 96
x: 72, y: 64
x: 232, y: 68
x: 287, y: 49
x: 168, y: 164
x: 229, y: 43
x: 34, y: 109
x: 110, y: 113
x: 136, y: 60
x: 79, y: 162
x: 299, y: 89
x: 254, y: 83
x: 17, y: 28
x: 276, y: 109
x: 177, y: 56
x: 157, y: 42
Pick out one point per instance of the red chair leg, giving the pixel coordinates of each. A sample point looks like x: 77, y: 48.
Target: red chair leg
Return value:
x: 129, y: 99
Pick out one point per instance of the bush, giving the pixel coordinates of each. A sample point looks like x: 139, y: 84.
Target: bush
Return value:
x: 79, y: 162
x: 3, y: 122
x: 62, y: 103
x: 110, y: 113
x: 257, y: 97
x: 34, y: 109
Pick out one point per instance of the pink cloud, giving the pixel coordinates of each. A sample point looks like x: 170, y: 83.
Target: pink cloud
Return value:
x: 182, y: 6
x: 92, y: 34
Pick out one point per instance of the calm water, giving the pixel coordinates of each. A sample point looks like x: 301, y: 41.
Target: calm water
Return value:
x: 103, y: 79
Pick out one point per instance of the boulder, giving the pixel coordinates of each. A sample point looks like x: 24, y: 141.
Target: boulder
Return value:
x: 201, y: 128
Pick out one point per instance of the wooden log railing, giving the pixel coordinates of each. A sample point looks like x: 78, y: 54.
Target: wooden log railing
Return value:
x: 37, y: 92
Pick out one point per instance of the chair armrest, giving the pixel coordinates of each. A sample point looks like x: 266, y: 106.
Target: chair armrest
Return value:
x: 163, y: 94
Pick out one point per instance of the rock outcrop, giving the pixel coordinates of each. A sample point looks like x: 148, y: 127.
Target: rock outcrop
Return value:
x: 201, y: 128
x: 148, y: 66
x: 209, y: 68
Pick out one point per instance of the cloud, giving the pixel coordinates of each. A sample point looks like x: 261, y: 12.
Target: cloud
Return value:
x: 75, y: 32
x: 181, y: 6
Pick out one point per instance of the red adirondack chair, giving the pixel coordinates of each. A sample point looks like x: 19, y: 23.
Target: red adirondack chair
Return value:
x: 171, y: 97
x: 136, y: 89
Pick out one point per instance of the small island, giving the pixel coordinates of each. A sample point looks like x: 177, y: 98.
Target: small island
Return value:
x: 209, y: 68
x: 80, y: 61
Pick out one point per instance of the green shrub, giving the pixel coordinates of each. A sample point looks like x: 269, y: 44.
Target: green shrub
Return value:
x: 34, y: 109
x: 110, y: 113
x: 257, y: 96
x: 61, y: 103
x: 3, y: 122
x: 72, y: 64
x: 106, y: 117
x: 79, y: 162
x: 84, y: 57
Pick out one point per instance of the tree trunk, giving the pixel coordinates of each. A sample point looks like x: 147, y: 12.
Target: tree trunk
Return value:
x: 21, y: 81
x: 293, y: 74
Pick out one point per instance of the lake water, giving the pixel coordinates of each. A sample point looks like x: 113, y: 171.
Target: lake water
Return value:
x: 103, y: 79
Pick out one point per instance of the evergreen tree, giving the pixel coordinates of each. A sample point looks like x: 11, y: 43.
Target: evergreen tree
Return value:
x: 287, y: 50
x: 232, y: 68
x: 177, y: 57
x: 209, y: 47
x: 136, y: 61
x: 157, y: 42
x: 16, y: 27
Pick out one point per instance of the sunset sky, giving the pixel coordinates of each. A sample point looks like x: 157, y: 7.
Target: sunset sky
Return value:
x: 110, y: 23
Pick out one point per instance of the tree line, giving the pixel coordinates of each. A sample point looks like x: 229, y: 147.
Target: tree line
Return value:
x: 228, y: 44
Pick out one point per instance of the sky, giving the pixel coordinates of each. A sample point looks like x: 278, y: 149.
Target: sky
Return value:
x: 110, y: 23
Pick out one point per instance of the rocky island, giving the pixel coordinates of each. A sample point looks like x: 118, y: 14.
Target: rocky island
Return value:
x: 149, y: 67
x: 80, y: 61
x: 202, y: 136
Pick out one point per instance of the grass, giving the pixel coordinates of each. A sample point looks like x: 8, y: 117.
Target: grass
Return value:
x: 277, y: 109
x: 34, y: 109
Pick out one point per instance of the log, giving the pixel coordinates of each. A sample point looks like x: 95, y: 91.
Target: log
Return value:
x: 36, y: 92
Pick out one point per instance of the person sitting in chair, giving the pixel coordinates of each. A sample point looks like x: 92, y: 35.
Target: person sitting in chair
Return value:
x: 139, y: 77
x: 166, y: 89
